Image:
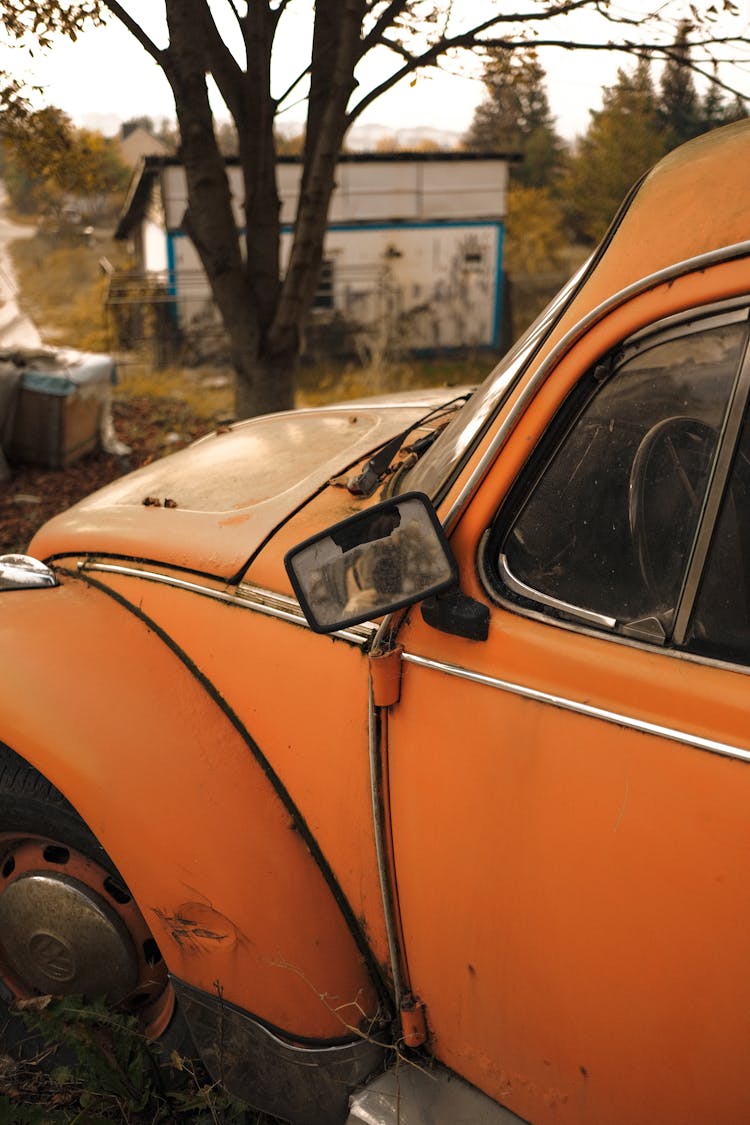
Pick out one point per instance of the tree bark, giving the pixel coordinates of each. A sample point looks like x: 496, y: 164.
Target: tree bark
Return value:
x: 246, y: 292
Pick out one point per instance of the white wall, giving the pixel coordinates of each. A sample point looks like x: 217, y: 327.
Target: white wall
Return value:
x: 372, y: 191
x: 154, y: 246
x: 422, y: 272
x: 416, y: 287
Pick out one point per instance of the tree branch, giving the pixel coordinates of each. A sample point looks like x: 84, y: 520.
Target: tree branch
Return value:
x: 383, y: 22
x: 135, y: 29
x: 280, y: 101
x: 473, y: 39
x: 225, y: 69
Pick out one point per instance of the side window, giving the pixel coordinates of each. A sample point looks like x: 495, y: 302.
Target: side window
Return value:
x: 604, y: 530
x: 720, y: 621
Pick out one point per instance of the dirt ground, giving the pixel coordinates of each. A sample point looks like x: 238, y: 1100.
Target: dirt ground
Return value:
x: 150, y: 426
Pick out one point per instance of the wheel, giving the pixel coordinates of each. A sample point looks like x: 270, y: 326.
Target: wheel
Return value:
x: 667, y: 485
x: 68, y: 923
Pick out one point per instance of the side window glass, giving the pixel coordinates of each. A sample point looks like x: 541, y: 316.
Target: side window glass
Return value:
x: 608, y: 526
x: 720, y: 622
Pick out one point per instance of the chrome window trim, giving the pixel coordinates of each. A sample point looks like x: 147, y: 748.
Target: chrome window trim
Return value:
x: 247, y: 596
x: 685, y: 738
x: 671, y: 273
x: 723, y: 461
x: 628, y: 639
x: 518, y: 587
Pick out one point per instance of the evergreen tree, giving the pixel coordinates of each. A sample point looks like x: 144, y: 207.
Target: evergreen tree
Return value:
x: 715, y: 111
x: 680, y: 115
x: 515, y: 116
x: 623, y: 140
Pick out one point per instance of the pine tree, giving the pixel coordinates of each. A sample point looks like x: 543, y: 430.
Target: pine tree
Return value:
x: 623, y: 140
x: 714, y: 110
x: 680, y: 114
x: 515, y: 116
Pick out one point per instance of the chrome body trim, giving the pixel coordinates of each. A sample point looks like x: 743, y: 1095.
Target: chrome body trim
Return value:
x: 22, y: 572
x: 671, y: 273
x: 519, y: 587
x: 695, y: 741
x: 246, y: 596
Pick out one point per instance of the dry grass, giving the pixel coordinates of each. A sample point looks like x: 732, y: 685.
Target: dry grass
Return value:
x: 62, y: 288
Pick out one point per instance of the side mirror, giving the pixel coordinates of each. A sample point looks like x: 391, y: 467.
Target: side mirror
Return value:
x: 392, y: 555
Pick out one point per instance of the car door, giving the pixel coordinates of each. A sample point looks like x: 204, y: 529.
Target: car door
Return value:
x: 570, y: 798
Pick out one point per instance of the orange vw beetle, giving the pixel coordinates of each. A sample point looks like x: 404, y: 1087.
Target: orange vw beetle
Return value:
x: 407, y: 747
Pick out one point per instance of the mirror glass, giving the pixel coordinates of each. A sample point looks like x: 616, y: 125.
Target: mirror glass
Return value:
x: 389, y: 556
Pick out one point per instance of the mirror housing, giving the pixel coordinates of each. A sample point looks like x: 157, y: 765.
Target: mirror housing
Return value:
x: 387, y: 557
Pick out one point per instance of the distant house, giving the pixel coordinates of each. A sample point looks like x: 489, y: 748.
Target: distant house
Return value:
x: 413, y: 254
x: 137, y: 143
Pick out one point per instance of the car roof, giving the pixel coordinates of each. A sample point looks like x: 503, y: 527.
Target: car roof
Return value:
x: 693, y: 202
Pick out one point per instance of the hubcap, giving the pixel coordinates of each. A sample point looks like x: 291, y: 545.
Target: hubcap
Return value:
x: 68, y: 926
x: 59, y: 936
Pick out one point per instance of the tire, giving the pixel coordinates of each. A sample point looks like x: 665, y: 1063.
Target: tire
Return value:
x: 68, y: 923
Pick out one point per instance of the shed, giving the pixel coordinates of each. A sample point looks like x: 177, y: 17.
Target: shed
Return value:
x: 413, y: 254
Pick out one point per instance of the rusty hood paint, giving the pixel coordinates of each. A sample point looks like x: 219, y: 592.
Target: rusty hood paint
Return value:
x: 209, y: 507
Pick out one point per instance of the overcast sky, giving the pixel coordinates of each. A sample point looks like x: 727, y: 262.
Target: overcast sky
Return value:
x: 106, y: 74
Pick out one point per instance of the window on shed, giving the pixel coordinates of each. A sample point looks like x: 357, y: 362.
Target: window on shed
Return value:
x: 324, y: 294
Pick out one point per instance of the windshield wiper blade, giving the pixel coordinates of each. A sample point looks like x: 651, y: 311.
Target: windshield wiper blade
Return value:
x: 368, y: 479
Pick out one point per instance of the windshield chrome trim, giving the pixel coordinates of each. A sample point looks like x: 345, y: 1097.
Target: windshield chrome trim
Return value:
x: 670, y: 273
x: 643, y: 726
x: 247, y: 596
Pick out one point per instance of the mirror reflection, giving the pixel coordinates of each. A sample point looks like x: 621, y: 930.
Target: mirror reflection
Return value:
x: 366, y: 566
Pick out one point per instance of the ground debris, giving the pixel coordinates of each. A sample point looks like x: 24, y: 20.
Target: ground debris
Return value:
x: 34, y: 494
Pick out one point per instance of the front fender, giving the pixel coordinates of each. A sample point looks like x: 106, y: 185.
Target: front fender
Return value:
x: 96, y: 700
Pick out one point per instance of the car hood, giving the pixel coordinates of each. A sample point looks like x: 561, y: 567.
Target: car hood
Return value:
x: 208, y: 508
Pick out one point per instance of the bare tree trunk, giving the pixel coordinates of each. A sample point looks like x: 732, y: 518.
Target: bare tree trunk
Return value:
x: 246, y: 293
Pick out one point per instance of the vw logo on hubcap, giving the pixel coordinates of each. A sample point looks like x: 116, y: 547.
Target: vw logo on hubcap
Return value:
x: 53, y: 957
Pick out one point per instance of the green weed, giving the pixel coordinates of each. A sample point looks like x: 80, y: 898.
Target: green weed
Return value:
x: 95, y: 1066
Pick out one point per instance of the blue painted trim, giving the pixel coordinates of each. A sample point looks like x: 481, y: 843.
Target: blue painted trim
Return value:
x: 436, y: 224
x: 497, y: 320
x: 171, y: 266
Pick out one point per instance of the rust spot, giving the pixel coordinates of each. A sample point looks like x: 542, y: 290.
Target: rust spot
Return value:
x: 170, y: 503
x: 152, y: 502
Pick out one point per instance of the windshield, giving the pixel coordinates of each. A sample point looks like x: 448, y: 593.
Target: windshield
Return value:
x: 440, y: 463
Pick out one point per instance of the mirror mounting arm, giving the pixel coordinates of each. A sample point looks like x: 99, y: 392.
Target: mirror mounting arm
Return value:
x: 457, y: 613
